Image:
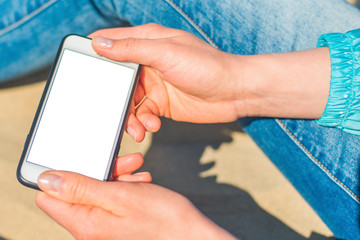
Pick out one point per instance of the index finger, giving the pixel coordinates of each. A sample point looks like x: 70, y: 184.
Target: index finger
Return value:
x: 137, y: 50
x: 147, y: 31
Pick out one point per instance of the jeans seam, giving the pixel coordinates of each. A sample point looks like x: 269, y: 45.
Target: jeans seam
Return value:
x: 192, y: 22
x: 28, y: 17
x: 313, y: 158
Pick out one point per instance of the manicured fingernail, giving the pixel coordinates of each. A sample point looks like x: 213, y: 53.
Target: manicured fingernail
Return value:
x: 148, y: 124
x: 140, y: 173
x: 143, y: 177
x: 103, y: 42
x: 132, y: 133
x: 50, y: 182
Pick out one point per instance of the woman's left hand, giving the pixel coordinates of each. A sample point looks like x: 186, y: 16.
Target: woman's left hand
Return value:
x: 126, y: 209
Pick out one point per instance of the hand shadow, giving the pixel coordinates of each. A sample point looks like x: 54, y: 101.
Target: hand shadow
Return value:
x: 173, y: 160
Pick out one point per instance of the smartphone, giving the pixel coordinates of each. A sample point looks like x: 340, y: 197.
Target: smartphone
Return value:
x: 81, y: 117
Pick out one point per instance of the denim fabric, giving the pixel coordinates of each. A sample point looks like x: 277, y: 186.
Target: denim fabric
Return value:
x: 322, y: 163
x: 30, y: 31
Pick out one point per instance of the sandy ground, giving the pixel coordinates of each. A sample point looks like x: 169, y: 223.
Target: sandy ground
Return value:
x: 216, y: 166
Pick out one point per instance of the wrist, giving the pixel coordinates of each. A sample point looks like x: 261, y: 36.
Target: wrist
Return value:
x: 290, y: 85
x: 189, y: 223
x: 240, y: 72
x: 250, y: 84
x: 204, y: 228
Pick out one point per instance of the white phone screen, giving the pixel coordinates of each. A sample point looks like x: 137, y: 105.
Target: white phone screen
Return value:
x: 82, y: 114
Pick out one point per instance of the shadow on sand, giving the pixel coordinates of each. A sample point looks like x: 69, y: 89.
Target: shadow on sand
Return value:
x: 173, y: 160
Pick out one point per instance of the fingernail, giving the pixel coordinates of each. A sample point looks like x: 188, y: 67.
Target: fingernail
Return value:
x: 132, y: 133
x: 148, y: 124
x: 139, y: 173
x: 50, y: 182
x: 103, y: 42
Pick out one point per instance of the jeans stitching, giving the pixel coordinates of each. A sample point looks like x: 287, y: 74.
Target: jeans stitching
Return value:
x: 192, y: 22
x: 202, y: 32
x: 311, y: 156
x: 27, y: 17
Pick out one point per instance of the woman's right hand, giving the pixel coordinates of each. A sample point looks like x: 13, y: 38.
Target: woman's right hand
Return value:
x: 183, y: 78
x: 186, y: 79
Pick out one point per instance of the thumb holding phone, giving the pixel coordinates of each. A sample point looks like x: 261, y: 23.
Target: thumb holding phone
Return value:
x: 93, y: 209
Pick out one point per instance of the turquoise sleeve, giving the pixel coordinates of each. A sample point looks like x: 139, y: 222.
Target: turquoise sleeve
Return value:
x: 343, y: 107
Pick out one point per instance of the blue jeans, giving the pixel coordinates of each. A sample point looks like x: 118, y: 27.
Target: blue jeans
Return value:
x: 322, y: 163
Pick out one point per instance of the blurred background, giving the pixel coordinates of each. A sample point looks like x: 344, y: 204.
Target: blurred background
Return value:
x: 216, y: 166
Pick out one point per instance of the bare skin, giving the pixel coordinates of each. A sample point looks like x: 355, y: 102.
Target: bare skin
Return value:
x: 184, y: 79
x: 92, y: 209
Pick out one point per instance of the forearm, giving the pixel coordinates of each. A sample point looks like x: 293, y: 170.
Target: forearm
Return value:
x: 290, y: 85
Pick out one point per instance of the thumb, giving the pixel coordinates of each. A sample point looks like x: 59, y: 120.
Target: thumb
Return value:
x: 141, y: 51
x: 78, y: 189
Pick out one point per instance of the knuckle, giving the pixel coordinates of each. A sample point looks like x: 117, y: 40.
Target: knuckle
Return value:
x: 153, y: 26
x: 128, y: 44
x: 78, y: 190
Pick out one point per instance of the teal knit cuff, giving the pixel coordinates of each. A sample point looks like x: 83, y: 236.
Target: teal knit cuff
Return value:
x: 343, y: 106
